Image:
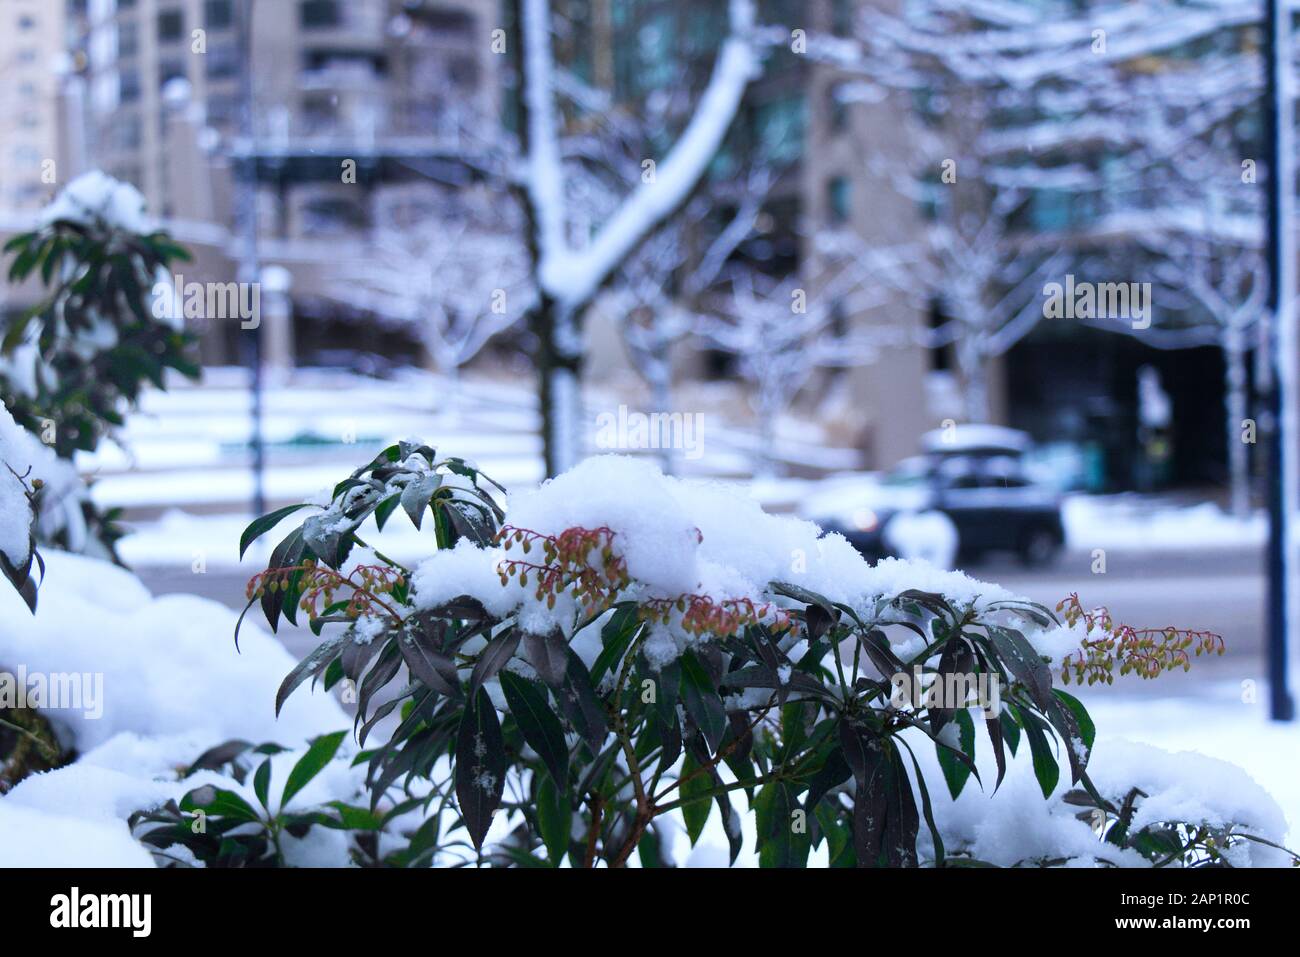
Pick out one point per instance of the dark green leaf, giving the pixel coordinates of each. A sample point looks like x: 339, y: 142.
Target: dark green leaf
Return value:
x: 320, y: 754
x: 540, y: 728
x: 480, y: 766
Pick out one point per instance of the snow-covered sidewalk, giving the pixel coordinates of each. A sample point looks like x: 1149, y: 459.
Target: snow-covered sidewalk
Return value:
x: 1154, y: 523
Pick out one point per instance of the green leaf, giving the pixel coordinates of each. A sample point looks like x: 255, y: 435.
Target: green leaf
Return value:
x: 1045, y: 767
x: 260, y: 526
x: 615, y: 638
x: 554, y: 819
x: 262, y: 783
x: 320, y: 753
x: 839, y: 837
x: 702, y: 701
x: 355, y: 818
x: 783, y: 839
x: 1010, y: 729
x: 317, y: 659
x: 956, y: 772
x: 539, y: 725
x: 218, y: 802
x: 1087, y: 730
x: 926, y: 807
x: 694, y: 792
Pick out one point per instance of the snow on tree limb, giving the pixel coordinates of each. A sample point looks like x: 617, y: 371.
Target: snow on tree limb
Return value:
x: 571, y: 276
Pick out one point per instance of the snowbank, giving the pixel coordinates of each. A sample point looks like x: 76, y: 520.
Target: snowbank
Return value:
x: 173, y: 686
x: 1141, y: 523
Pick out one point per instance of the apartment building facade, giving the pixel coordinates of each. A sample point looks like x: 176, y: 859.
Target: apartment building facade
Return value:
x: 33, y: 59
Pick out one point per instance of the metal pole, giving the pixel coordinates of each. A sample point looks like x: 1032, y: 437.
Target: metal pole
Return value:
x: 1281, y: 398
x: 249, y: 265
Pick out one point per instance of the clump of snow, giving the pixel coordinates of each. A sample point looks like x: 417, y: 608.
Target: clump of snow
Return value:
x: 678, y: 537
x: 16, y: 463
x: 1056, y: 642
x: 24, y: 459
x: 689, y: 536
x: 97, y: 199
x: 464, y: 570
x: 1188, y: 786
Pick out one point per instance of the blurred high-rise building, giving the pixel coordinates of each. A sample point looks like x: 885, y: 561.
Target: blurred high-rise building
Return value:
x: 33, y: 58
x: 357, y: 76
x: 377, y: 88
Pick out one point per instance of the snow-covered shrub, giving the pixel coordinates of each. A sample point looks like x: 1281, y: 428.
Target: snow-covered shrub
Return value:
x: 630, y: 652
x: 257, y: 833
x: 73, y: 365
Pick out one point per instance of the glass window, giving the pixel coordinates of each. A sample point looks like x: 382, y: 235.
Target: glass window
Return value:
x: 222, y: 61
x: 218, y: 14
x: 128, y: 39
x: 839, y: 199
x: 171, y: 24
x: 317, y: 14
x: 841, y: 17
x: 129, y: 86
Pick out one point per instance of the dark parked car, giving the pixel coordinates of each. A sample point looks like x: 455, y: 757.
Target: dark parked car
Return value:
x: 979, y: 483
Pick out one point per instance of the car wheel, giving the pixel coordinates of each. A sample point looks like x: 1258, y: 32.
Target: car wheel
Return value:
x: 1038, y: 545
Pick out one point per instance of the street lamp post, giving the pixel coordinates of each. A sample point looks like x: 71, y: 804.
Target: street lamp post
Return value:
x: 1283, y: 475
x: 245, y: 169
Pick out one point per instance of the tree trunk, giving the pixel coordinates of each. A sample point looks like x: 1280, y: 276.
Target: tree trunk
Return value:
x: 662, y: 399
x: 974, y: 375
x: 559, y: 375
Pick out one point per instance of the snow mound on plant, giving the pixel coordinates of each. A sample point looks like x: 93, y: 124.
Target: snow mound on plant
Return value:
x: 22, y: 454
x: 95, y: 198
x: 1017, y: 826
x: 17, y: 457
x: 173, y: 686
x: 682, y: 537
x: 1189, y: 786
